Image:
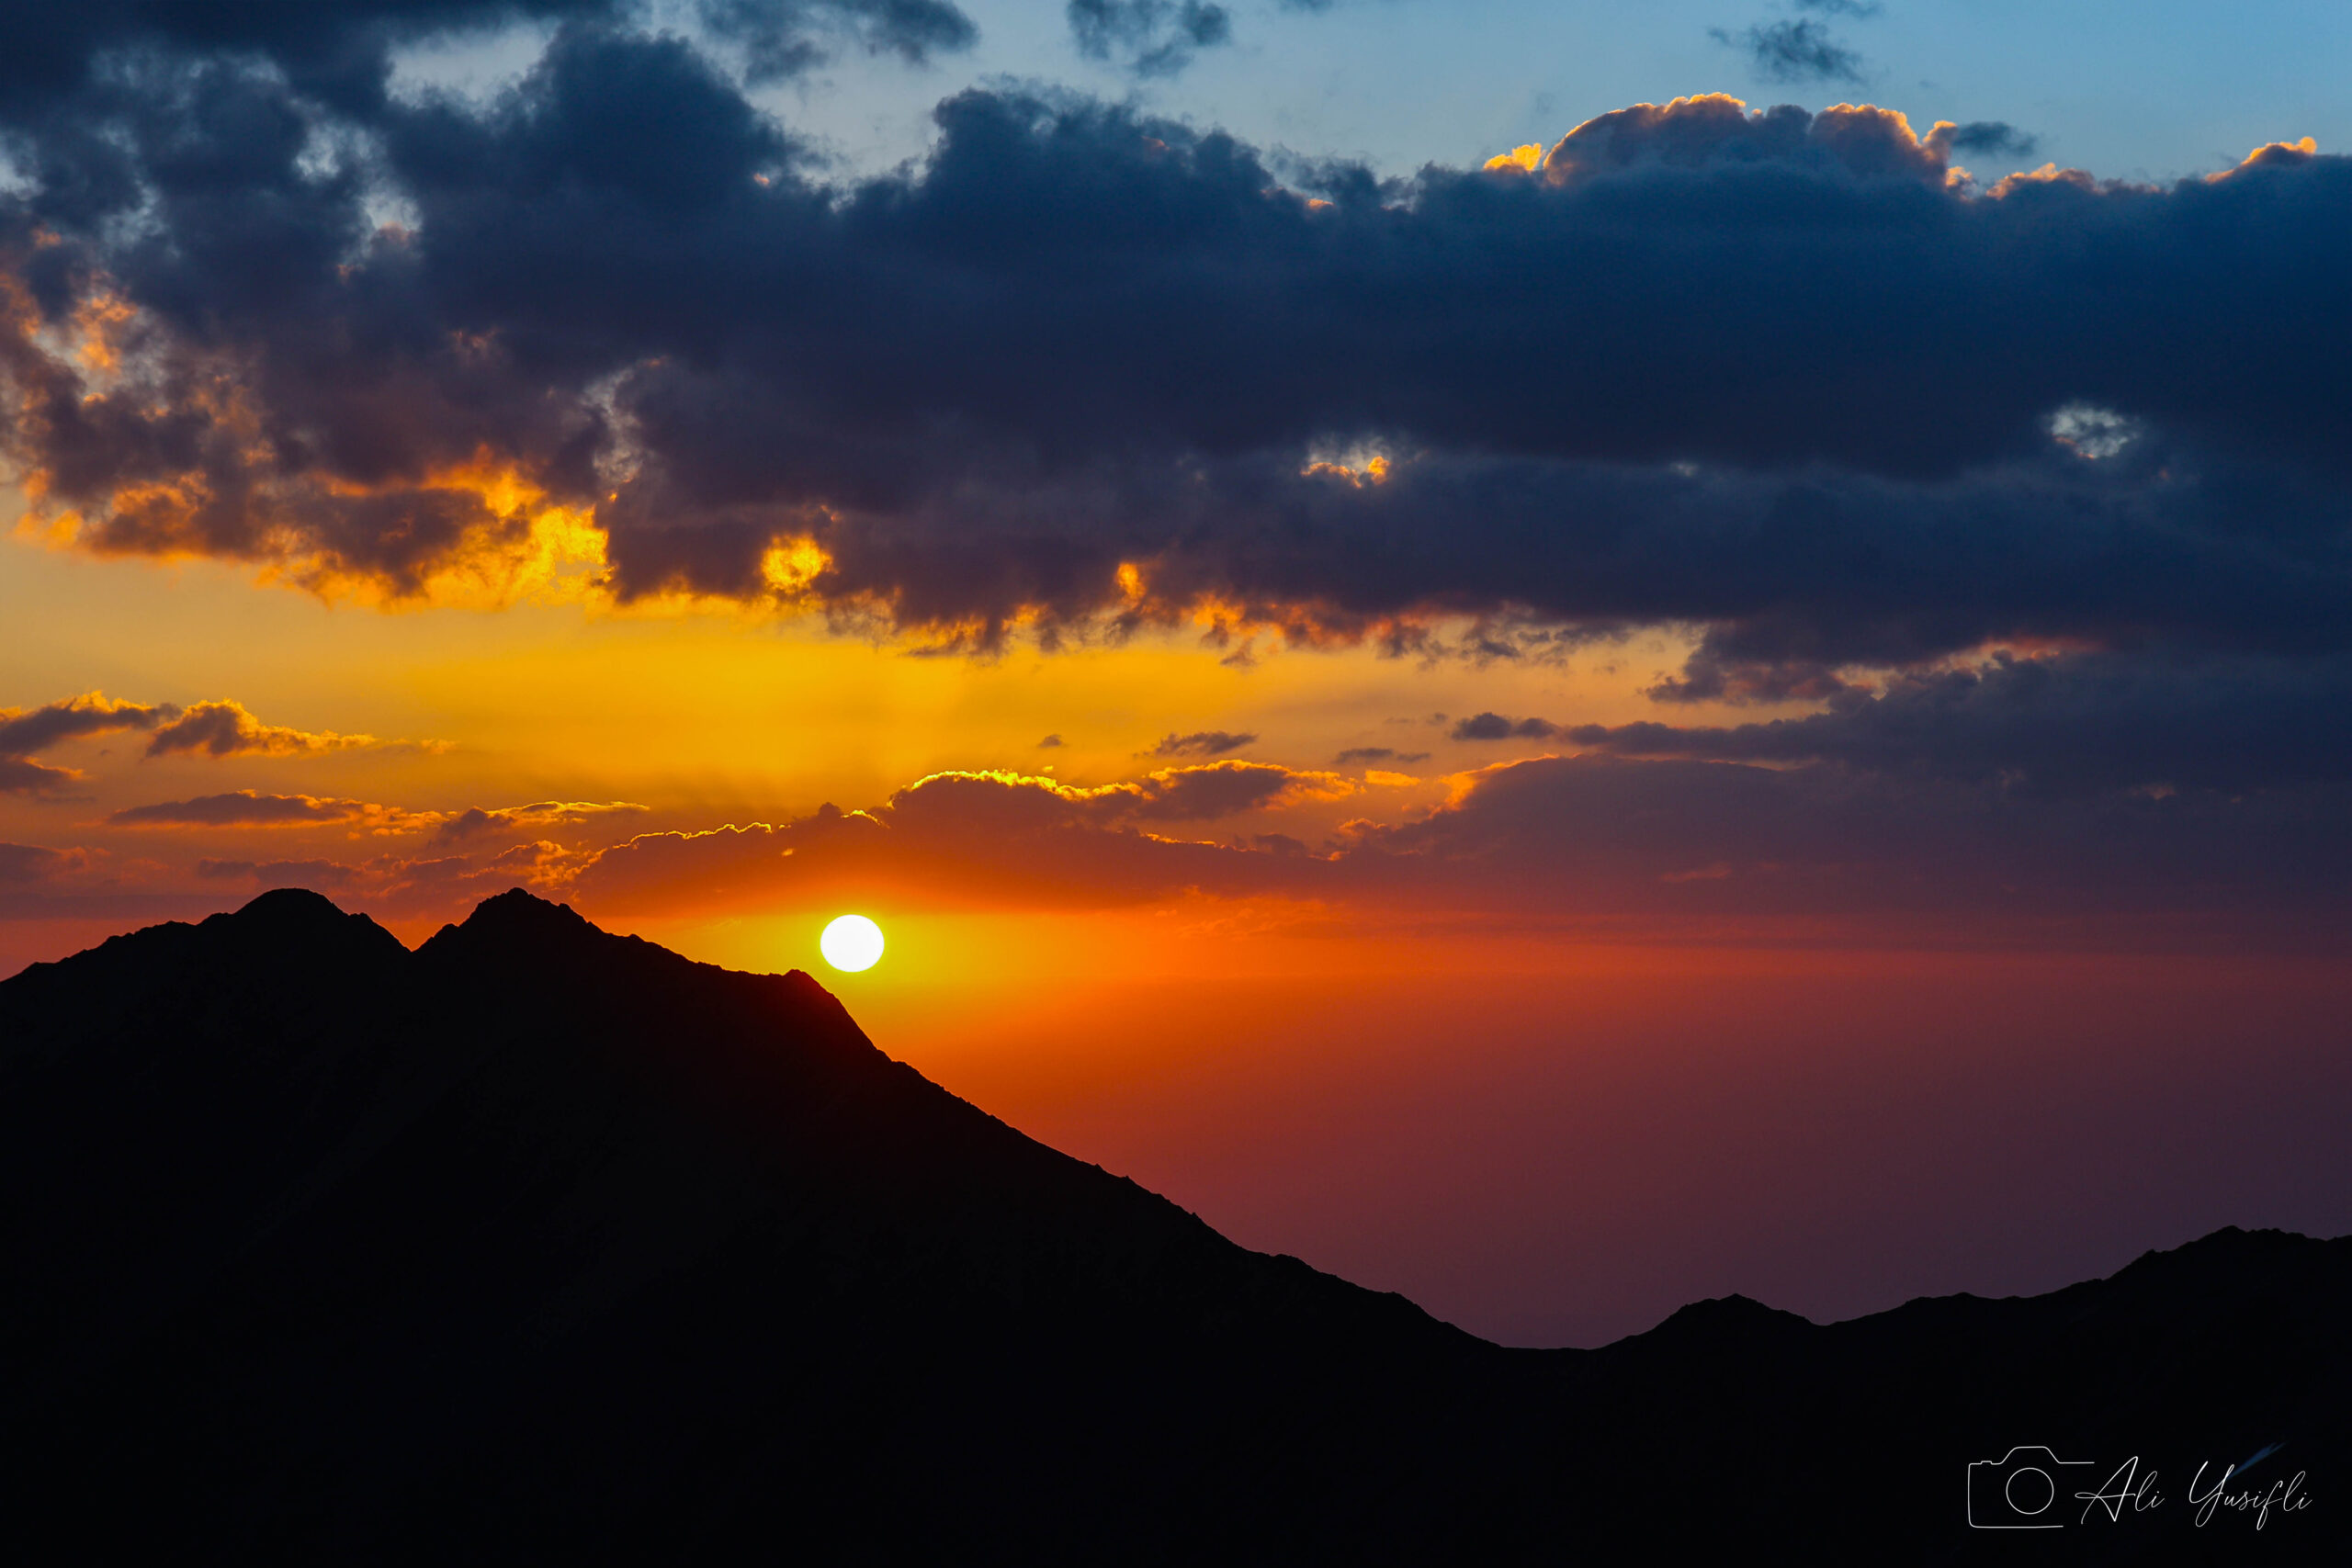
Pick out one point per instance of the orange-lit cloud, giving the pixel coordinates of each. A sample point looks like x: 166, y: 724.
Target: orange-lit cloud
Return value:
x: 252, y: 809
x: 25, y: 731
x: 226, y: 729
x: 216, y: 728
x: 475, y: 821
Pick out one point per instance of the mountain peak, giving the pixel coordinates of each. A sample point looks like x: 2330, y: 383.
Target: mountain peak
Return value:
x: 290, y: 903
x: 1735, y: 1318
x: 517, y: 910
x: 517, y: 918
x: 295, y: 917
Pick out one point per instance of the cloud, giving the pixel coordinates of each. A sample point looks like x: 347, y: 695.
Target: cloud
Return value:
x: 474, y: 821
x: 1495, y: 727
x: 1201, y: 743
x: 1827, y: 853
x: 1992, y: 136
x: 994, y: 837
x: 1356, y: 754
x: 1796, y: 53
x: 1049, y: 742
x: 319, y: 875
x: 2058, y: 724
x: 213, y: 728
x: 251, y: 809
x: 783, y: 38
x: 28, y: 863
x: 1630, y: 847
x: 1820, y: 833
x: 20, y: 775
x: 1219, y: 789
x: 429, y: 886
x: 226, y: 729
x: 1785, y: 381
x: 342, y: 54
x: 1149, y: 38
x: 24, y: 732
x: 1856, y: 9
x: 1197, y: 793
x: 38, y: 883
x: 476, y: 386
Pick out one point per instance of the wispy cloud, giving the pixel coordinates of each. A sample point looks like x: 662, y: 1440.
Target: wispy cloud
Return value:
x: 1201, y: 743
x: 475, y: 821
x: 253, y: 808
x: 1495, y: 727
x: 1149, y: 38
x: 1795, y: 52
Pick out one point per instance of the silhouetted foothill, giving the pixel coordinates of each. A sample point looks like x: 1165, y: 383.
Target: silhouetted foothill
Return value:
x: 542, y: 1243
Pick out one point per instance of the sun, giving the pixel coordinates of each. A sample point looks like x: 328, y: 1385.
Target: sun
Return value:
x: 851, y: 942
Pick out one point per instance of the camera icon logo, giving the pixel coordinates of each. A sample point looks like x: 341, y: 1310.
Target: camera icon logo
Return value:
x: 2020, y: 1490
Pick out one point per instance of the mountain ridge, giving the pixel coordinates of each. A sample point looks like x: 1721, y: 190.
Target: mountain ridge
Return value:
x: 539, y: 1240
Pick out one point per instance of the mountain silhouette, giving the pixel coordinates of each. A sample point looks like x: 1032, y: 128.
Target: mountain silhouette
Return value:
x: 539, y: 1244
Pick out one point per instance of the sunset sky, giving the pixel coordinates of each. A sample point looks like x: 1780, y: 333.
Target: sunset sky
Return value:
x: 1560, y: 657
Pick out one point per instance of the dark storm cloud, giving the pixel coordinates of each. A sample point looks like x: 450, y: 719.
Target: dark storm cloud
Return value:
x: 1201, y: 743
x: 2071, y: 724
x: 1780, y: 378
x: 1074, y: 339
x: 1150, y: 38
x: 342, y: 52
x: 338, y: 51
x: 1628, y: 839
x: 1794, y: 52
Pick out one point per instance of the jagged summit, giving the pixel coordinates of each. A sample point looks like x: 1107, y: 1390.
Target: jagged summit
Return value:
x: 518, y: 926
x: 519, y: 913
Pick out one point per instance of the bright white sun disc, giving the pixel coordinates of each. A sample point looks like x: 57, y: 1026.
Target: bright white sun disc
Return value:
x: 850, y: 943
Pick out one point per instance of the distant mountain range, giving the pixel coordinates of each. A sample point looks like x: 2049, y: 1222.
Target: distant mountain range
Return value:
x: 541, y: 1244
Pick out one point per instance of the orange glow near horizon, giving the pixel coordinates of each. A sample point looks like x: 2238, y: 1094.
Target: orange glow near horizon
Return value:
x: 1564, y: 724
x: 1545, y: 1104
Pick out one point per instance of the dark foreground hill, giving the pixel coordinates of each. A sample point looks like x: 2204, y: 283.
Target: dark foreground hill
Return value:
x: 543, y: 1245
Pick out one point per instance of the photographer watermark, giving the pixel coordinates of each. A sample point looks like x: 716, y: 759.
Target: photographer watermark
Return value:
x: 2030, y: 1488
